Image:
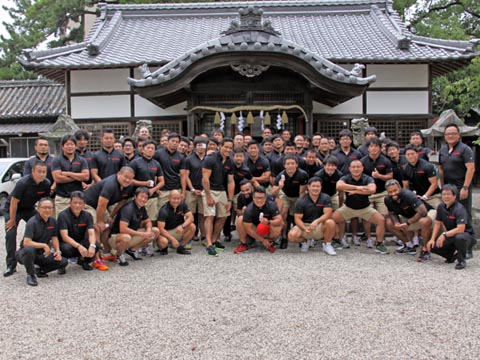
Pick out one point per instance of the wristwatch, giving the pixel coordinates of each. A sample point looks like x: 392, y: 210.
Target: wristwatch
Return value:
x: 465, y: 187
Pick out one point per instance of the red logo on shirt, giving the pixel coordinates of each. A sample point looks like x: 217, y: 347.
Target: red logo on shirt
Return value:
x: 81, y: 225
x: 40, y: 192
x: 50, y: 227
x: 116, y: 159
x: 451, y: 217
x: 458, y: 153
x: 175, y: 160
x: 76, y: 163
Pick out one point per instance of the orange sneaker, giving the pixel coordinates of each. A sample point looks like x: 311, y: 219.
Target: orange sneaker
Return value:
x: 109, y: 257
x: 100, y: 265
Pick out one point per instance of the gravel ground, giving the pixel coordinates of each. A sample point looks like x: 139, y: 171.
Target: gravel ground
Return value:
x: 255, y: 305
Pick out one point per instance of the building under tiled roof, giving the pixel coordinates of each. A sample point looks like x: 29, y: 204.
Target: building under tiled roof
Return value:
x: 29, y: 99
x: 341, y: 31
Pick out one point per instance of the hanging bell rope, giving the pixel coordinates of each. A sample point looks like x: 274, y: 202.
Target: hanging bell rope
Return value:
x: 251, y: 108
x: 284, y: 118
x: 216, y: 119
x: 233, y: 119
x: 250, y: 118
x: 267, y: 120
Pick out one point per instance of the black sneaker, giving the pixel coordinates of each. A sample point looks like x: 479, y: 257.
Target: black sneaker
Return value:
x: 469, y: 254
x: 62, y: 271
x: 182, y: 251
x: 451, y: 259
x: 122, y: 261
x: 227, y: 238
x: 41, y: 273
x: 132, y: 254
x: 163, y: 251
x: 461, y: 264
x: 284, y: 244
x: 86, y: 266
x: 211, y: 251
x: 423, y: 257
x: 405, y: 250
x: 218, y: 245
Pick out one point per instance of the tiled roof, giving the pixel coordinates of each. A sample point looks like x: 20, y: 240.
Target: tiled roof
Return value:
x: 31, y: 99
x: 345, y: 31
x: 14, y: 129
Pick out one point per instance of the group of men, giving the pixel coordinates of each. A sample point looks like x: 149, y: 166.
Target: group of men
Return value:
x: 129, y: 197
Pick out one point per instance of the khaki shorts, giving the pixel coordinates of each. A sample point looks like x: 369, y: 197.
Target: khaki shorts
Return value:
x: 176, y: 235
x: 195, y: 203
x: 152, y: 208
x: 136, y: 240
x: 61, y: 203
x: 377, y: 202
x: 349, y: 213
x: 416, y: 226
x: 93, y: 212
x: 317, y: 234
x: 434, y: 200
x: 288, y: 202
x: 335, y: 201
x: 220, y: 198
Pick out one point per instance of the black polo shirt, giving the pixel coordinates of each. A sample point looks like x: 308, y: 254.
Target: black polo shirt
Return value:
x: 108, y: 163
x: 418, y: 175
x: 194, y: 165
x: 257, y: 168
x: 453, y: 216
x: 363, y: 149
x: 345, y: 159
x: 322, y: 156
x: 383, y: 166
x: 357, y: 201
x: 77, y: 165
x: 423, y: 153
x: 108, y: 188
x: 273, y: 156
x: 220, y: 170
x: 252, y: 212
x: 292, y: 184
x: 313, y: 169
x: 244, y: 201
x: 28, y: 193
x: 87, y: 155
x: 173, y: 217
x: 397, y: 168
x: 312, y: 210
x: 171, y: 164
x: 146, y: 170
x: 76, y: 226
x: 453, y: 163
x: 406, y: 204
x: 131, y: 214
x: 277, y: 167
x: 30, y: 162
x: 329, y: 183
x: 239, y: 174
x: 128, y: 161
x: 40, y: 231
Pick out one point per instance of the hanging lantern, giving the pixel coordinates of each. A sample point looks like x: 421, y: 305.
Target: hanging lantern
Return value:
x: 233, y: 119
x: 284, y: 118
x: 216, y: 119
x: 267, y: 119
x: 250, y: 118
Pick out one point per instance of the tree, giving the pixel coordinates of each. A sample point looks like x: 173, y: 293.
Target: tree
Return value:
x: 452, y: 20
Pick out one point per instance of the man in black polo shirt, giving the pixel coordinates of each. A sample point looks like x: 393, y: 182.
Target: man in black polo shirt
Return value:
x: 329, y: 176
x: 312, y: 163
x: 278, y: 166
x: 261, y: 222
x: 457, y: 166
x: 83, y: 137
x: 35, y: 248
x: 313, y: 219
x: 452, y: 233
x: 376, y: 165
x: 107, y: 161
x: 129, y: 150
x: 70, y: 171
x: 323, y: 148
x: 175, y: 223
x: 148, y: 173
x: 278, y: 147
x: 258, y: 165
x: 171, y: 161
x: 42, y: 153
x: 407, y: 213
x: 133, y: 229
x: 416, y: 140
x: 191, y: 179
x: 345, y: 154
x: 420, y: 176
x: 369, y: 133
x: 290, y: 184
x: 21, y: 206
x: 217, y: 180
x: 358, y: 187
x: 398, y: 161
x: 77, y: 234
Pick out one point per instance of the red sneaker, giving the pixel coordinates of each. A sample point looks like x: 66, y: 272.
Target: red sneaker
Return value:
x: 100, y: 265
x: 110, y: 257
x: 240, y: 248
x: 271, y: 248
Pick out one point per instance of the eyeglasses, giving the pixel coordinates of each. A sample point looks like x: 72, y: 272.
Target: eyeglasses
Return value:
x: 46, y: 207
x: 451, y: 133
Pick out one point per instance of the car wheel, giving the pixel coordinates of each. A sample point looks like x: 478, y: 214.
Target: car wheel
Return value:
x: 3, y: 201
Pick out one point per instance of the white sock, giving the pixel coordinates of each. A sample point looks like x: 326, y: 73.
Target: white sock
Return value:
x: 409, y: 244
x: 416, y: 240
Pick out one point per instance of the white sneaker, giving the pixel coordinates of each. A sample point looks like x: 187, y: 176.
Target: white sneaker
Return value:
x: 305, y: 247
x: 398, y: 241
x: 344, y: 242
x: 329, y: 250
x: 356, y: 240
x: 370, y: 243
x: 311, y: 243
x: 149, y: 250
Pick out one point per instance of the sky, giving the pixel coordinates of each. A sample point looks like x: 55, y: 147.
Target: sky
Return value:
x: 4, y: 15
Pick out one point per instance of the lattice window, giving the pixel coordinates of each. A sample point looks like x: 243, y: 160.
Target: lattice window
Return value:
x: 119, y: 129
x: 158, y: 126
x: 332, y: 127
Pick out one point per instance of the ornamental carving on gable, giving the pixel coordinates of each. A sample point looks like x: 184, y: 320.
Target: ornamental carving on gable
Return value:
x: 250, y: 70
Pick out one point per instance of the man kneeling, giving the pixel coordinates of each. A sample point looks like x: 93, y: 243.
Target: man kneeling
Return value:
x: 176, y: 224
x: 133, y: 229
x: 313, y: 219
x: 261, y: 221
